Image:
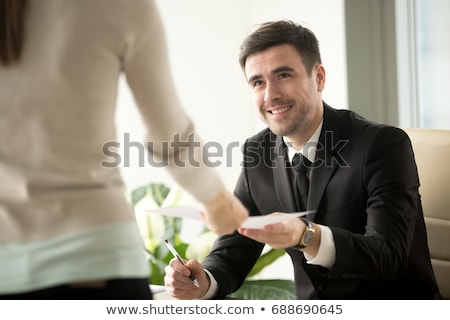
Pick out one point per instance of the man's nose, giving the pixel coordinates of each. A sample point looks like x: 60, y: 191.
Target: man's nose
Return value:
x: 272, y: 92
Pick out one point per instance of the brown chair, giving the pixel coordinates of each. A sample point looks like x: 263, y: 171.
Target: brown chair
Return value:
x: 432, y: 152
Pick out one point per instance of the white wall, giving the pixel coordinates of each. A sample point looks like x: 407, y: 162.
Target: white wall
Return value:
x: 204, y: 38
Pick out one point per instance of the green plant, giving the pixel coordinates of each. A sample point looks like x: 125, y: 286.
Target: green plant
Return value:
x: 155, y: 228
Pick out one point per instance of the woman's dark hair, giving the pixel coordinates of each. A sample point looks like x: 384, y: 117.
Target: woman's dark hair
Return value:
x: 11, y: 30
x: 281, y: 32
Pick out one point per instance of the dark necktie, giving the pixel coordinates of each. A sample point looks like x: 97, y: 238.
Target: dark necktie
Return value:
x: 301, y: 165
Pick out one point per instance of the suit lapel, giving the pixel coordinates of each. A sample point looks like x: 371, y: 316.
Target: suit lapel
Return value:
x: 283, y: 185
x: 326, y: 161
x: 330, y: 142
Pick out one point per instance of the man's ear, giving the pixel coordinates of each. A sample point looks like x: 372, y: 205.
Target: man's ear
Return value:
x: 320, y: 76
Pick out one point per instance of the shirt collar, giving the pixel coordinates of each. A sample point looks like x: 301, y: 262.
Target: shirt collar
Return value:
x: 309, y: 149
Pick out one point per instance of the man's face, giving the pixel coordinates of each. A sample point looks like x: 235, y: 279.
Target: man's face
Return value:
x: 288, y: 99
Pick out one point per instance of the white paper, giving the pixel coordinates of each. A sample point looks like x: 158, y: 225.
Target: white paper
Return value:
x: 259, y: 222
x: 256, y: 222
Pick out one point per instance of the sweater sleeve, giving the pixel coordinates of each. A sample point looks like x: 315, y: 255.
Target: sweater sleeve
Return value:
x: 171, y: 136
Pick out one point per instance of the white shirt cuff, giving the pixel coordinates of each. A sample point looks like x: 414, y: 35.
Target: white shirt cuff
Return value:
x: 213, y: 287
x: 326, y: 255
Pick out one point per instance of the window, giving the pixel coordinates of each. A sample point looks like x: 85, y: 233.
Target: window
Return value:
x: 423, y: 58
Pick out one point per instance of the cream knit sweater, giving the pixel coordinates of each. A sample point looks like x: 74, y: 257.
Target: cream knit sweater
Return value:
x: 63, y: 216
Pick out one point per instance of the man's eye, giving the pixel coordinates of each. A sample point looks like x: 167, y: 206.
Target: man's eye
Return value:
x: 284, y: 75
x: 257, y: 83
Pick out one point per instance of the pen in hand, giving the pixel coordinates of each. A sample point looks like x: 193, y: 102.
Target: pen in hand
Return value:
x: 176, y: 255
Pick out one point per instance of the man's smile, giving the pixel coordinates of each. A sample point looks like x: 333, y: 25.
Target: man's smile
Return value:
x: 279, y: 110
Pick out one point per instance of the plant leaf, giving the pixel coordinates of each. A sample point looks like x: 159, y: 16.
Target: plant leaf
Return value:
x: 137, y: 195
x: 159, y: 192
x: 157, y: 272
x: 276, y: 289
x: 264, y: 260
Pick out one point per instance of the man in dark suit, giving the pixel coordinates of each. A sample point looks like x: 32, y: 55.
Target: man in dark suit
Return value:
x: 366, y: 238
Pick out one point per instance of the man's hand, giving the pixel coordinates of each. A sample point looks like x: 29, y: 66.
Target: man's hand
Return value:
x: 180, y: 286
x: 284, y: 235
x: 278, y: 235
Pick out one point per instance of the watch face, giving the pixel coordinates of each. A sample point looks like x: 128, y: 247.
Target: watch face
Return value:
x: 308, y: 237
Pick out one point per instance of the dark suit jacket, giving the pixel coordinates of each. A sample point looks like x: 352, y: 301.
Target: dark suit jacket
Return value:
x: 364, y: 186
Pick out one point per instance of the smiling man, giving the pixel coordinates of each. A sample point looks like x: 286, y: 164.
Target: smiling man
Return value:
x: 367, y: 237
x: 287, y: 94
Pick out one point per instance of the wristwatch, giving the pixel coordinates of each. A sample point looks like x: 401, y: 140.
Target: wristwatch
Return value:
x: 308, y: 235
